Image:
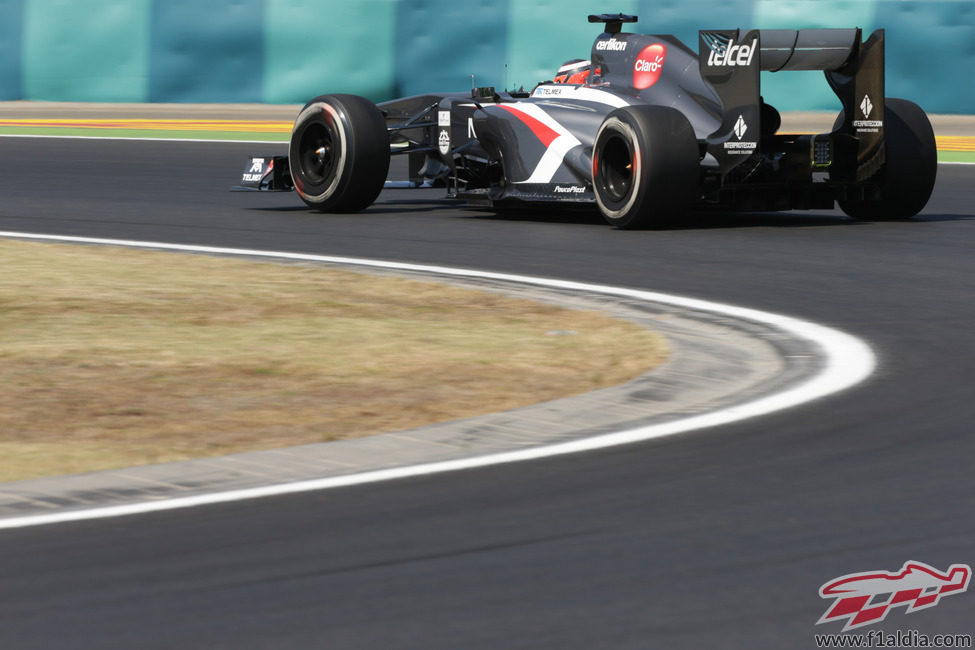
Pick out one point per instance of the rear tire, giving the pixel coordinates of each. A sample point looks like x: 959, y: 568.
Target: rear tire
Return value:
x: 910, y: 168
x: 339, y: 153
x: 645, y: 166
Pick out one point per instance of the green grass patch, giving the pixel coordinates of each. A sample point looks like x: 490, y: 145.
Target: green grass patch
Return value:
x: 956, y: 156
x: 156, y: 134
x: 152, y: 134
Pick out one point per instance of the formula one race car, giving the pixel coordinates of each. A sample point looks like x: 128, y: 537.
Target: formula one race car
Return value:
x: 644, y: 129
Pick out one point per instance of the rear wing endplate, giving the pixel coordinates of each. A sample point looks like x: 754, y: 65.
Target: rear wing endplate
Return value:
x: 731, y: 60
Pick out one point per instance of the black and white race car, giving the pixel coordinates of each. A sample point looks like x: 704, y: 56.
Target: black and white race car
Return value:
x: 644, y: 128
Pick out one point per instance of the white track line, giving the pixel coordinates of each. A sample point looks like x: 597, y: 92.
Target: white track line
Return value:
x: 138, y: 139
x: 847, y: 361
x: 281, y: 142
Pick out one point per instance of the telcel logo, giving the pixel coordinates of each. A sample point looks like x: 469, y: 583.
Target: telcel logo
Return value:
x: 648, y: 66
x: 733, y: 54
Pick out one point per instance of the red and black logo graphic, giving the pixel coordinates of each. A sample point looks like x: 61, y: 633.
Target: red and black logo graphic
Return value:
x: 648, y: 66
x: 865, y: 598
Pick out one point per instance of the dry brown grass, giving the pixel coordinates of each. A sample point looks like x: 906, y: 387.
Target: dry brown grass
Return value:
x: 113, y: 357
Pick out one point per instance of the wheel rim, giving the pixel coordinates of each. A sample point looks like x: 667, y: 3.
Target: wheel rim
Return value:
x: 317, y: 153
x: 616, y: 167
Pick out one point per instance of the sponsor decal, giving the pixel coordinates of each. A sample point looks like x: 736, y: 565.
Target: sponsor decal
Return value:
x: 740, y: 127
x: 256, y: 172
x: 867, y: 125
x: 612, y: 45
x: 571, y: 189
x: 443, y: 118
x: 724, y: 52
x: 741, y: 148
x: 549, y: 91
x: 866, y: 598
x: 866, y: 106
x: 649, y: 65
x: 443, y: 141
x: 577, y: 92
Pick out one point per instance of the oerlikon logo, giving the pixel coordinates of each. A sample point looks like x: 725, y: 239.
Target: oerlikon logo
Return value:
x: 649, y: 64
x: 866, y: 598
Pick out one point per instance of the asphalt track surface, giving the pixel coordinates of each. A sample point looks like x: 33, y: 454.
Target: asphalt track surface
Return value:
x: 718, y: 538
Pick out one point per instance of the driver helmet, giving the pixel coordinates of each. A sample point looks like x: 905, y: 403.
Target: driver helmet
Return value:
x: 573, y: 72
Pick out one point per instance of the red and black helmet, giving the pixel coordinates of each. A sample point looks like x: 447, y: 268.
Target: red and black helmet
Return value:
x: 573, y: 72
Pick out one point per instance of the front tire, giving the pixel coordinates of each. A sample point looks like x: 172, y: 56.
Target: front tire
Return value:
x: 910, y: 167
x: 645, y: 166
x: 339, y: 153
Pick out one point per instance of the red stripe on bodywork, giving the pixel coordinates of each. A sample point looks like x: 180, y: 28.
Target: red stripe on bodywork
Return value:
x: 543, y: 132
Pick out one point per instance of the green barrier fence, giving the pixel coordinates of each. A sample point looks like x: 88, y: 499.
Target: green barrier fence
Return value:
x: 286, y: 51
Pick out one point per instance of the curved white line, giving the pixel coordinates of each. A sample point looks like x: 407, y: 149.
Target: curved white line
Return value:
x: 848, y: 361
x: 552, y: 159
x: 139, y: 139
x: 270, y: 142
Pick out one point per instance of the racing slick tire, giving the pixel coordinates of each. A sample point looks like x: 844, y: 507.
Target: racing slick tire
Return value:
x: 339, y: 153
x: 645, y: 166
x: 909, y: 170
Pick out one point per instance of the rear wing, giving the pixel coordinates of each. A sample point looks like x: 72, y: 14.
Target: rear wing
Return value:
x: 731, y: 61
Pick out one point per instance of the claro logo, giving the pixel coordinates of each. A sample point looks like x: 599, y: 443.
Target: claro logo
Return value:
x: 648, y: 66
